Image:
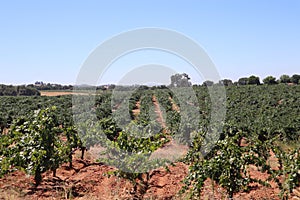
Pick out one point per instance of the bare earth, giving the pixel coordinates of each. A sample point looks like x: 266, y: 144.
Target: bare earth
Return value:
x: 89, y: 181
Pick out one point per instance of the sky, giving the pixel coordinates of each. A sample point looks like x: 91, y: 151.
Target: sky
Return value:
x: 49, y: 41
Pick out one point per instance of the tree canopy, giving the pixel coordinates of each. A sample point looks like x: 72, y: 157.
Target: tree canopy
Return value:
x: 22, y: 90
x: 270, y: 80
x: 180, y: 80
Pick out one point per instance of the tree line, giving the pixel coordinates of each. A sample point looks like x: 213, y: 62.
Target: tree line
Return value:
x: 177, y: 80
x: 40, y: 85
x: 255, y: 80
x: 21, y: 90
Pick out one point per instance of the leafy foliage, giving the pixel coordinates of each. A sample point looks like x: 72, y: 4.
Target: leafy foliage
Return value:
x: 33, y: 145
x: 229, y: 162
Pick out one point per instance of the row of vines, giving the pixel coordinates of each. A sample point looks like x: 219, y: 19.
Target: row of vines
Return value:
x: 41, y: 133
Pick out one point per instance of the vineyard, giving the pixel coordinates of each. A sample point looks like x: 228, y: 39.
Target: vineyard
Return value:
x: 152, y: 143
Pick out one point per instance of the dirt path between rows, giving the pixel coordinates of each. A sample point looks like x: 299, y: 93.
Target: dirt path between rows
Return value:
x: 174, y: 105
x: 172, y: 150
x: 158, y: 112
x: 137, y: 111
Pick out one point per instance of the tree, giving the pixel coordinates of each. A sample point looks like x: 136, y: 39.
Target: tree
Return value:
x: 285, y: 79
x: 226, y: 82
x: 295, y: 79
x: 270, y: 80
x: 180, y: 80
x: 243, y: 81
x: 208, y: 83
x: 253, y: 80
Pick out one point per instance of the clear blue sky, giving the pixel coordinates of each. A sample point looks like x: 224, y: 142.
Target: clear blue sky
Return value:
x: 49, y: 40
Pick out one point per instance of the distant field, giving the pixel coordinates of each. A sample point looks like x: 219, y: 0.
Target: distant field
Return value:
x: 55, y: 93
x: 60, y: 93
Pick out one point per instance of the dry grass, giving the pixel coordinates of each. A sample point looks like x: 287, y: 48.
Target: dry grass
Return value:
x: 11, y: 194
x: 61, y: 93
